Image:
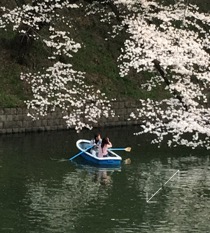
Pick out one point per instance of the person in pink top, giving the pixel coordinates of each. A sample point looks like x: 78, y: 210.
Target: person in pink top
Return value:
x: 103, y: 148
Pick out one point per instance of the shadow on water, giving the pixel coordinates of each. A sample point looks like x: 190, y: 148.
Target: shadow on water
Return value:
x: 42, y: 191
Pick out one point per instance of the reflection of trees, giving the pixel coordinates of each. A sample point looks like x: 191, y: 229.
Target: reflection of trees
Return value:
x: 188, y: 202
x: 183, y: 203
x: 59, y: 208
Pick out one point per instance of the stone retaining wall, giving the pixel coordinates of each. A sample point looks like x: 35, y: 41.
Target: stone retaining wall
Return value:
x: 15, y: 120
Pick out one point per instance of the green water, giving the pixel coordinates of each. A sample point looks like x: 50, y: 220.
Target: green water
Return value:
x: 41, y: 191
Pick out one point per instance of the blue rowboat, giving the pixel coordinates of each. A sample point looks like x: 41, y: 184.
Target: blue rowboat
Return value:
x: 111, y: 160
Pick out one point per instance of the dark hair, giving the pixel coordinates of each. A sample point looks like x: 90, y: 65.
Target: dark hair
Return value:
x: 95, y: 137
x: 104, y: 142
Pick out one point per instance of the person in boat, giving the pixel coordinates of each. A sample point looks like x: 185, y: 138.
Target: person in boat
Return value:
x: 103, y: 148
x: 96, y: 142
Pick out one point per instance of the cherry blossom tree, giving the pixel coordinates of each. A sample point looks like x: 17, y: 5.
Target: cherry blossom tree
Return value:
x: 169, y: 41
x: 58, y: 85
x: 176, y: 36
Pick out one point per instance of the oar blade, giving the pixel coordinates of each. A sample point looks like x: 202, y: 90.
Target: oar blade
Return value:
x: 128, y: 149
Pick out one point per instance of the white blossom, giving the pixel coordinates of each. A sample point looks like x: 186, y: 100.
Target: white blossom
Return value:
x: 175, y: 35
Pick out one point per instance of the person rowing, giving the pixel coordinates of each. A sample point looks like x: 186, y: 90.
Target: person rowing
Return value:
x: 103, y: 148
x: 96, y: 142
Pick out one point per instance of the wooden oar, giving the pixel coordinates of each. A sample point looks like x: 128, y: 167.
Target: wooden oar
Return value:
x: 80, y: 153
x: 128, y: 149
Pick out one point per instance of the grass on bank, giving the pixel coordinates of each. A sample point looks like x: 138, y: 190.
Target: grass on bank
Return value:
x: 97, y: 57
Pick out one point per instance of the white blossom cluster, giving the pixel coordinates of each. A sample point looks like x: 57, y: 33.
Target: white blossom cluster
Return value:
x: 57, y: 86
x: 33, y: 16
x: 168, y: 120
x: 178, y: 37
x: 62, y: 87
x: 61, y: 43
x: 182, y: 52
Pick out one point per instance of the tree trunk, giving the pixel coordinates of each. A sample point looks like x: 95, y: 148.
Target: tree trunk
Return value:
x: 174, y: 92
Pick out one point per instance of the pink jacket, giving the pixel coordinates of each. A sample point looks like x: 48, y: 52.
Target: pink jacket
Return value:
x: 104, y: 151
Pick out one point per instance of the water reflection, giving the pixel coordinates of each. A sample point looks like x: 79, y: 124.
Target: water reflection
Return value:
x: 41, y: 194
x: 102, y: 177
x: 101, y: 174
x: 181, y: 205
x: 59, y: 206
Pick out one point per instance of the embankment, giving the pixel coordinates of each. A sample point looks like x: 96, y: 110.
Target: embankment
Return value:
x: 15, y: 120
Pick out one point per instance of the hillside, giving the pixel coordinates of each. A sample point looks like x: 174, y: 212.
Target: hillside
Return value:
x: 97, y: 58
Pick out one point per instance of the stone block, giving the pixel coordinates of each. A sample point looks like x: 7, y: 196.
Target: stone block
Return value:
x: 19, y: 111
x: 95, y: 125
x: 127, y: 104
x: 2, y: 131
x: 44, y: 122
x: 103, y: 119
x: 26, y: 118
x: 122, y: 112
x: 121, y: 118
x: 7, y: 111
x: 26, y: 124
x: 101, y: 124
x: 59, y: 114
x: 22, y: 130
x: 48, y: 128
x: 9, y: 117
x: 116, y: 118
x: 112, y: 124
x: 19, y: 124
x: 62, y: 122
x: 53, y: 128
x: 36, y: 124
x: 28, y: 130
x: 25, y: 111
x: 11, y: 124
x: 34, y: 129
x: 18, y: 117
x: 16, y: 130
x: 2, y: 118
x: 40, y: 129
x: 60, y: 127
x: 54, y: 114
x: 56, y: 122
x: 8, y: 130
x: 50, y: 123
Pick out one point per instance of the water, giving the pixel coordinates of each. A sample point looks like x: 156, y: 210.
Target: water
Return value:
x: 41, y: 191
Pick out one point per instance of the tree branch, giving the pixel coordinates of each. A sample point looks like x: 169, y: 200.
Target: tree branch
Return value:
x: 174, y: 92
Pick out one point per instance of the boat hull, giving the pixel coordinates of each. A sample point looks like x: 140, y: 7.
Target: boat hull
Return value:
x: 101, y: 162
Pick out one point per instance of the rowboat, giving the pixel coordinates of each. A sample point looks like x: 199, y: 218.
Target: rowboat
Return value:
x: 85, y: 146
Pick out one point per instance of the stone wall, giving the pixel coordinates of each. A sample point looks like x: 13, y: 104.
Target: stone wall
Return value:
x: 15, y: 120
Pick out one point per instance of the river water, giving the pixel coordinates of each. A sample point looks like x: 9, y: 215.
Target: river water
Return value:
x: 41, y: 191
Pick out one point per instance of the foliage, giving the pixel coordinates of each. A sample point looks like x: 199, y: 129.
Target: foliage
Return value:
x: 165, y: 50
x: 174, y: 35
x: 56, y: 84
